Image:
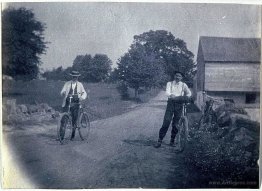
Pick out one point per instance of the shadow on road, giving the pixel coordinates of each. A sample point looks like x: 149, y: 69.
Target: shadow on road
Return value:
x: 163, y: 107
x: 49, y: 139
x: 139, y: 142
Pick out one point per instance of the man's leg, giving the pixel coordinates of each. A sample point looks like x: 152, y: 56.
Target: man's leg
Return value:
x: 74, y: 113
x: 177, y: 114
x: 166, y: 122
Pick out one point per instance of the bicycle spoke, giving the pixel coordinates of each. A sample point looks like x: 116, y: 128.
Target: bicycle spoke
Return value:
x: 64, y: 129
x: 84, y: 126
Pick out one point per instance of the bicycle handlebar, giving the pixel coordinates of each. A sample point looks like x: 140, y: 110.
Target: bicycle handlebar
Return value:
x: 182, y: 99
x: 213, y: 98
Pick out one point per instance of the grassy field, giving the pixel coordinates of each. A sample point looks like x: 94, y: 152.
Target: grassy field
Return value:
x: 104, y: 100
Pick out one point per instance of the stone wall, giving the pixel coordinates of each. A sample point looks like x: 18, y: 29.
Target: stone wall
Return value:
x: 13, y: 112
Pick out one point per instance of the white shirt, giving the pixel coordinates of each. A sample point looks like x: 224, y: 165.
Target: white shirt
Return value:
x: 177, y: 89
x: 73, y: 85
x: 80, y: 91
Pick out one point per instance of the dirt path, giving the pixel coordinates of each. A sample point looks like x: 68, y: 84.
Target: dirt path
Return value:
x: 119, y: 154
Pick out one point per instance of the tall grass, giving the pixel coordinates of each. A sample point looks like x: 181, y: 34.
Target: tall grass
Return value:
x: 104, y: 99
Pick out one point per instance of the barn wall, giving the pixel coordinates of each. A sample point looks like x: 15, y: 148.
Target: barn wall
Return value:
x: 238, y: 97
x: 200, y: 70
x: 232, y: 77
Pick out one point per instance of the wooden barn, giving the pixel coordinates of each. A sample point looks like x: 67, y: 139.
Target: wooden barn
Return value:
x: 229, y: 68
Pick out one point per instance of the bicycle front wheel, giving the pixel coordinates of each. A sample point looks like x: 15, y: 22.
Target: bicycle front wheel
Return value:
x: 64, y: 129
x: 183, y: 134
x: 84, y: 126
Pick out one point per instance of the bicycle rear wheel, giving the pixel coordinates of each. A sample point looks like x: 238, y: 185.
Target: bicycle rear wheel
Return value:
x: 84, y: 126
x: 64, y: 129
x: 183, y: 134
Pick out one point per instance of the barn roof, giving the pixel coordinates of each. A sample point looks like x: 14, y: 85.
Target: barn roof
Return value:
x: 224, y: 49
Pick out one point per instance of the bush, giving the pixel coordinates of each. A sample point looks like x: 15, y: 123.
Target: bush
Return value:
x: 123, y: 90
x: 229, y: 153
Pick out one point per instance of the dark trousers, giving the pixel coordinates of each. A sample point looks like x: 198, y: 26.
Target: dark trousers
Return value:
x: 173, y: 110
x: 74, y: 110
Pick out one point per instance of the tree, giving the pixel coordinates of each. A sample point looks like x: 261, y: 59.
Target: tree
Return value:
x: 94, y: 69
x: 139, y: 68
x: 56, y: 74
x: 172, y: 51
x: 22, y: 42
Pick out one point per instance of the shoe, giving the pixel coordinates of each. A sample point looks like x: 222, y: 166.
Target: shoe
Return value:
x: 73, y: 134
x: 158, y: 144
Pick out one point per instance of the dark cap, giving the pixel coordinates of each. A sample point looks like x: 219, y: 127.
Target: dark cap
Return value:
x: 178, y: 72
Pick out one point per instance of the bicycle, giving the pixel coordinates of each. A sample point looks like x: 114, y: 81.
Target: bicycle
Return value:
x: 208, y: 117
x: 183, y: 129
x: 65, y: 127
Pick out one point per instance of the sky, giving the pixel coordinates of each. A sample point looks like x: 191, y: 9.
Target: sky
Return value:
x: 108, y: 28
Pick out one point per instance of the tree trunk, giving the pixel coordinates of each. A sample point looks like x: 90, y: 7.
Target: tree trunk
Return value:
x: 136, y: 93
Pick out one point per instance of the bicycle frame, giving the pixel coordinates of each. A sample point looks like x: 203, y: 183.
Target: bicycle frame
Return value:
x: 183, y: 120
x: 184, y: 110
x: 70, y: 101
x: 69, y: 107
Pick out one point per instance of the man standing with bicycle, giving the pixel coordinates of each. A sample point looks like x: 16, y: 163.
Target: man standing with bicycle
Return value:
x: 76, y: 90
x: 177, y: 91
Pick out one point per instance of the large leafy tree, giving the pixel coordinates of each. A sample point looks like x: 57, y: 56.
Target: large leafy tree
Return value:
x: 172, y: 51
x: 139, y: 68
x: 94, y: 69
x: 22, y: 42
x: 152, y: 58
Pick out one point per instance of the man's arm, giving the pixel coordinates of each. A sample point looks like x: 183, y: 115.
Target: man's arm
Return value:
x: 187, y: 91
x: 63, y: 91
x: 83, y: 93
x: 168, y: 89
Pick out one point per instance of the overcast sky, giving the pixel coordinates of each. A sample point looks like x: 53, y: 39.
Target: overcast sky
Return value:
x: 108, y: 28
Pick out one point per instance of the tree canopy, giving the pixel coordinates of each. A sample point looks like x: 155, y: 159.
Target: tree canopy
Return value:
x: 152, y: 58
x: 172, y: 51
x: 22, y: 42
x: 94, y: 69
x: 139, y: 68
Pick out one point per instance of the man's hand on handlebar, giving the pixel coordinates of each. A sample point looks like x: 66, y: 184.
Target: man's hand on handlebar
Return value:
x: 182, y: 99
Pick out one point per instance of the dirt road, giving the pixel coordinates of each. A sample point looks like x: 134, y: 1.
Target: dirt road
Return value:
x: 119, y: 154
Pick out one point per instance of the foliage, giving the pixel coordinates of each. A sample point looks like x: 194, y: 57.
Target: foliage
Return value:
x: 113, y: 77
x: 94, y: 69
x: 58, y: 74
x: 172, y: 51
x: 229, y: 153
x: 104, y: 100
x: 152, y: 59
x: 139, y: 68
x: 22, y: 43
x: 123, y: 90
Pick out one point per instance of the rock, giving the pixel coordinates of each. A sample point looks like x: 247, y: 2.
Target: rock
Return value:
x: 252, y: 126
x: 237, y: 116
x: 6, y: 77
x: 55, y: 114
x: 21, y: 109
x: 10, y: 106
x: 228, y: 114
x: 223, y: 119
x: 45, y: 107
x: 244, y: 137
x: 32, y: 109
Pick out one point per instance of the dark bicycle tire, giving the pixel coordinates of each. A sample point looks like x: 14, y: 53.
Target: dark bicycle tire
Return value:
x: 183, y: 134
x: 64, y: 129
x: 84, y: 126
